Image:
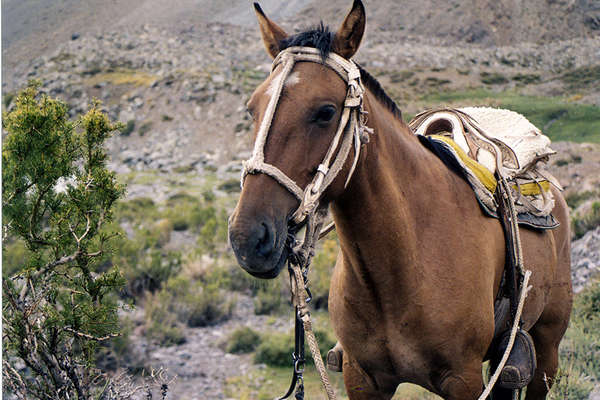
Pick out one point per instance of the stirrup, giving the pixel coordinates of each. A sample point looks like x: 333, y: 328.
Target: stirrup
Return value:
x: 520, y: 366
x: 335, y: 359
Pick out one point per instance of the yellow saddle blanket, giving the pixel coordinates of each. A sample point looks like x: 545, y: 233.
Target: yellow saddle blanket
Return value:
x: 487, y: 141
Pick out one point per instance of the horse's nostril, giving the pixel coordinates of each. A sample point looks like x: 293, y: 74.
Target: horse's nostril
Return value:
x: 265, y: 241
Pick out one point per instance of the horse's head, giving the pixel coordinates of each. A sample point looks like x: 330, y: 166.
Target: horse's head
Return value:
x: 300, y: 111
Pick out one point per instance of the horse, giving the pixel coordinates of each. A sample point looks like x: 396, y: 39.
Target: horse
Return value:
x: 419, y: 265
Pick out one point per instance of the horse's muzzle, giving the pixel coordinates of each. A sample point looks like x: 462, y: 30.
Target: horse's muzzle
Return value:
x: 258, y: 245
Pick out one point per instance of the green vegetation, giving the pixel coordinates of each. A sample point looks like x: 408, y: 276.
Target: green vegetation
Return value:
x: 322, y: 269
x: 269, y: 298
x: 400, y: 76
x: 276, y: 348
x: 243, y: 340
x: 128, y: 128
x: 526, y: 79
x: 59, y: 299
x: 582, y: 77
x: 492, y: 78
x: 580, y: 348
x: 588, y: 221
x: 145, y: 128
x: 574, y: 199
x: 557, y: 118
x: 7, y: 99
x: 184, y: 302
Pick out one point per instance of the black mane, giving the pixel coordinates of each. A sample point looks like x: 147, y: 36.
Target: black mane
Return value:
x: 321, y: 38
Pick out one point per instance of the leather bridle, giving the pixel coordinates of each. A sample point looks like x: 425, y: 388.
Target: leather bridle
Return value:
x: 351, y: 130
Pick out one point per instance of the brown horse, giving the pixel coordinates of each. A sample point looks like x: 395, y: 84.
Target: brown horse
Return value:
x: 412, y: 293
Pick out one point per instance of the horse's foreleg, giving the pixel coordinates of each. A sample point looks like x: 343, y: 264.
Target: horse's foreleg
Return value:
x: 361, y: 386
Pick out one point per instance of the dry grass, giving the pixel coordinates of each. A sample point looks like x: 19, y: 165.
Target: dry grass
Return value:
x: 123, y: 77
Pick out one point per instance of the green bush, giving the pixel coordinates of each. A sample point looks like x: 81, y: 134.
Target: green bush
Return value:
x: 162, y: 325
x: 128, y: 128
x: 7, y: 99
x: 13, y: 254
x: 580, y: 348
x: 145, y: 128
x: 145, y: 266
x: 574, y: 199
x: 243, y: 340
x: 183, y: 302
x: 276, y: 348
x: 268, y: 300
x: 230, y: 186
x: 214, y: 230
x: 492, y: 78
x: 136, y: 210
x: 586, y: 222
x: 321, y: 270
x: 57, y: 199
x: 526, y: 79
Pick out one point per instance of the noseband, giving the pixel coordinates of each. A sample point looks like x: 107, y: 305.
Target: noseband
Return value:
x: 352, y: 130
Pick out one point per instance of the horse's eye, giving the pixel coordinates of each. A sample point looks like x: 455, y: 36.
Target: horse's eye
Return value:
x: 324, y: 114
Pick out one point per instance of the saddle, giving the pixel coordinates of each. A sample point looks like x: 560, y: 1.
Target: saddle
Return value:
x: 481, y: 143
x: 485, y: 146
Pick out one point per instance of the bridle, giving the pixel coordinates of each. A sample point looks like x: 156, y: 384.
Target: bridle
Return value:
x: 351, y: 131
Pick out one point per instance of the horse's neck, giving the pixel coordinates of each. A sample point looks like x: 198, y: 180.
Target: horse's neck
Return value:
x: 396, y: 189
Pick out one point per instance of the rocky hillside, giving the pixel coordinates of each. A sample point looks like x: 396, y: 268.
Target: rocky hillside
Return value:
x: 178, y: 75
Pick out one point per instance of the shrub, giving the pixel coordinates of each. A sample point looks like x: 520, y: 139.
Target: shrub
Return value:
x: 136, y: 210
x: 526, y: 78
x: 13, y: 254
x: 580, y: 348
x: 145, y: 128
x: 492, y: 78
x: 7, y: 99
x: 128, y: 128
x: 57, y: 198
x: 162, y: 325
x: 183, y: 302
x: 230, y: 186
x: 276, y: 348
x: 321, y: 270
x: 268, y: 299
x: 243, y: 340
x: 214, y: 229
x: 574, y: 199
x: 589, y: 221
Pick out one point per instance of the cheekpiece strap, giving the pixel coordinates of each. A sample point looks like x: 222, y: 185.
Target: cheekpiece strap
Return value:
x: 352, y: 129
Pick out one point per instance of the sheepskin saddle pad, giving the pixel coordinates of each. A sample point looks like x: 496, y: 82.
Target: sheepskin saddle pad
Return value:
x: 482, y: 144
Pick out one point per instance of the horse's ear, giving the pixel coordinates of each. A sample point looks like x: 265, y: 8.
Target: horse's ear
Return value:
x: 348, y: 37
x: 271, y: 33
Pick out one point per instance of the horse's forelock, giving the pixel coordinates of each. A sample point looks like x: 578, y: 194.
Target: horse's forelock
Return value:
x: 319, y: 37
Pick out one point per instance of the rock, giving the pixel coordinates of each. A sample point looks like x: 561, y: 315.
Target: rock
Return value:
x: 75, y: 36
x: 585, y: 259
